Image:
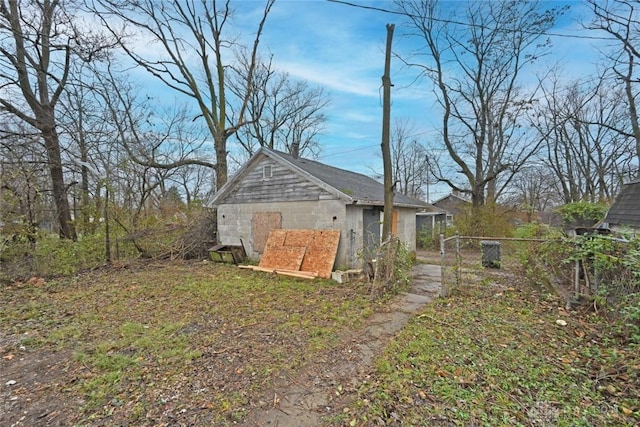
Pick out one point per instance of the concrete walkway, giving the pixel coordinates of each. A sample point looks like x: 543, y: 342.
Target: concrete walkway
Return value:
x: 318, y: 391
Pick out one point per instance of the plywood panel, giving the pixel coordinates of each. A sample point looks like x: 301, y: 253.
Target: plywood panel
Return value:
x: 325, y: 238
x: 321, y: 254
x: 276, y: 239
x: 311, y: 252
x: 261, y: 225
x: 319, y: 261
x: 283, y: 257
x: 298, y: 237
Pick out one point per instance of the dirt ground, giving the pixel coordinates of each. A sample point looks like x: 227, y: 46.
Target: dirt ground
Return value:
x: 34, y: 385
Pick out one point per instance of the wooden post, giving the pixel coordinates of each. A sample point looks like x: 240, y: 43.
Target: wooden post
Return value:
x: 458, y: 259
x: 443, y: 286
x: 576, y: 280
x: 386, y: 144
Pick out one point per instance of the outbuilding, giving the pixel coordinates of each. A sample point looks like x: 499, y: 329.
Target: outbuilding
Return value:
x: 624, y: 214
x: 276, y: 190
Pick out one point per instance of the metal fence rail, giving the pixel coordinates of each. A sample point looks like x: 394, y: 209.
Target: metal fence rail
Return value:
x: 497, y: 257
x: 464, y: 261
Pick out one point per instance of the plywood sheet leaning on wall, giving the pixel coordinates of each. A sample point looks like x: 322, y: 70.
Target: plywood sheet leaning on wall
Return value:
x: 321, y: 252
x: 309, y: 252
x: 283, y: 257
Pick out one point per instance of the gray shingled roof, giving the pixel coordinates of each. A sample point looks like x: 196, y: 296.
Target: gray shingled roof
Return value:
x: 361, y: 188
x: 625, y: 210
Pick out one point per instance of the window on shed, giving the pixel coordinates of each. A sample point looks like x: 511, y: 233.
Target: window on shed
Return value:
x: 267, y: 172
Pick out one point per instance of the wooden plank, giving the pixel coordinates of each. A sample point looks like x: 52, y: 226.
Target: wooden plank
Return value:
x: 292, y: 273
x: 297, y: 274
x: 283, y: 258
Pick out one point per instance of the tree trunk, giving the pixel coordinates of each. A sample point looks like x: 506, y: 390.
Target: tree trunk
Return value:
x: 633, y: 112
x: 63, y: 212
x: 386, y: 136
x: 221, y: 161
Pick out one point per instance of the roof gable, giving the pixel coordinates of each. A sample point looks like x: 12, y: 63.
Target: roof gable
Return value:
x: 625, y: 210
x: 352, y: 187
x: 452, y: 203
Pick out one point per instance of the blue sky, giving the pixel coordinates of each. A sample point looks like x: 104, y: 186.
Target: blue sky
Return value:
x: 341, y: 49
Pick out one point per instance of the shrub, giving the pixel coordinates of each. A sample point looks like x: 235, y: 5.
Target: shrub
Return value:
x: 582, y: 214
x: 183, y: 235
x: 390, y: 266
x: 488, y: 220
x: 543, y: 262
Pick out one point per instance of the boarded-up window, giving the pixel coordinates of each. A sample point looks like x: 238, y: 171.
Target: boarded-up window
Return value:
x: 261, y: 224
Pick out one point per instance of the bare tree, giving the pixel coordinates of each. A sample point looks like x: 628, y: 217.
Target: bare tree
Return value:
x: 583, y: 150
x: 23, y: 185
x: 282, y: 112
x: 35, y: 56
x: 197, y: 27
x: 385, y: 143
x: 535, y: 190
x: 620, y: 19
x: 145, y: 153
x: 476, y: 62
x: 84, y: 129
x: 411, y: 168
x: 410, y: 161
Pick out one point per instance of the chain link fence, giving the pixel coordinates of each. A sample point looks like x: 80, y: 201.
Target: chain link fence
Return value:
x: 573, y: 268
x: 468, y: 261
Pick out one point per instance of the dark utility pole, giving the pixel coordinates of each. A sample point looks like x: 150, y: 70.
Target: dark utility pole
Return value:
x: 386, y: 150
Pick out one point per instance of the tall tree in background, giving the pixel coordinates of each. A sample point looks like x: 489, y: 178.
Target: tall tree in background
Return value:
x: 620, y: 19
x: 193, y: 57
x: 409, y: 158
x: 36, y: 50
x: 409, y: 161
x: 23, y: 178
x: 476, y: 61
x: 282, y: 112
x: 534, y: 191
x: 583, y: 151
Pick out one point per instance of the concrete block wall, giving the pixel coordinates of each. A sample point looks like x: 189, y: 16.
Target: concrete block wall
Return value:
x: 235, y: 222
x: 407, y: 227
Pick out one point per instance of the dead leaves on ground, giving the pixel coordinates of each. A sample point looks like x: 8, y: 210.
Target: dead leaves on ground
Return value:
x: 514, y: 355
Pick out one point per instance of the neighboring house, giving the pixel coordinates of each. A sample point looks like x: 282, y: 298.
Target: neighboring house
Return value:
x: 278, y: 190
x: 431, y: 221
x: 454, y: 204
x: 624, y: 214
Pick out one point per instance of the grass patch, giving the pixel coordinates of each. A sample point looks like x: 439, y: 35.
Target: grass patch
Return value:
x: 178, y: 340
x: 490, y: 357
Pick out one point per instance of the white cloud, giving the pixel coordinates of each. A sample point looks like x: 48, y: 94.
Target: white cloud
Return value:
x: 334, y: 77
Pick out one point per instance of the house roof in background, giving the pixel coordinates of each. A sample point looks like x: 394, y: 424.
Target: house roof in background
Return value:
x: 625, y: 210
x: 350, y: 186
x: 451, y: 196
